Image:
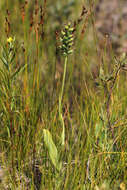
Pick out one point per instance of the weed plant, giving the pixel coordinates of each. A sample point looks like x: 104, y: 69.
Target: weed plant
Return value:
x: 63, y: 100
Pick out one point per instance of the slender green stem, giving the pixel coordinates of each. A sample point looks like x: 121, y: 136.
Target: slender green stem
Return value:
x: 54, y: 73
x: 63, y: 82
x: 60, y: 102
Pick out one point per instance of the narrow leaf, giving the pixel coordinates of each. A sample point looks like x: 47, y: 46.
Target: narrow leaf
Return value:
x: 4, y: 62
x: 20, y: 69
x: 63, y: 131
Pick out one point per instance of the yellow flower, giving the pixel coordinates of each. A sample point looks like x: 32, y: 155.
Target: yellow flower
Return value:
x: 10, y: 40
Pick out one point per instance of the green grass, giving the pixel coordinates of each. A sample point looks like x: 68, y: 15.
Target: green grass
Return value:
x: 39, y: 109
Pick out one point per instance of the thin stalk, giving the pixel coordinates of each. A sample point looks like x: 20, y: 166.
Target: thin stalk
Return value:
x: 63, y: 82
x: 60, y: 102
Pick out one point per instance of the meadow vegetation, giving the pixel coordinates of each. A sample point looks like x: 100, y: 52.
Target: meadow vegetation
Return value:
x: 63, y: 99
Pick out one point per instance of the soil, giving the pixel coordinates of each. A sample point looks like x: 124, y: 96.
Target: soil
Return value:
x: 111, y: 19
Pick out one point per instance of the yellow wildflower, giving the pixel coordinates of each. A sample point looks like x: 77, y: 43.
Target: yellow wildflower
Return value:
x: 10, y: 40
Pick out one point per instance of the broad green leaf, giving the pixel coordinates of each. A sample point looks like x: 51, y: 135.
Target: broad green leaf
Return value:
x: 53, y: 153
